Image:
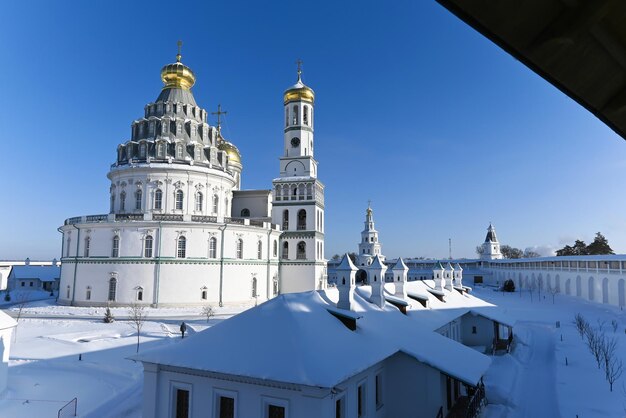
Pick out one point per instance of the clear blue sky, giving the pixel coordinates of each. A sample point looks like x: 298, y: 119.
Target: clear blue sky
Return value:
x: 441, y: 129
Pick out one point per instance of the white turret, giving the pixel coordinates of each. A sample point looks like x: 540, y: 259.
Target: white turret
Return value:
x: 458, y: 275
x: 369, y: 247
x: 438, y: 275
x: 400, y: 271
x: 346, y: 271
x: 448, y: 275
x: 376, y: 274
x: 491, y: 246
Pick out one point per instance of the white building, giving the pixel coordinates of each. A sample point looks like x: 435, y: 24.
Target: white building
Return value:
x: 491, y: 246
x: 30, y: 277
x: 328, y: 353
x: 7, y: 325
x: 181, y: 231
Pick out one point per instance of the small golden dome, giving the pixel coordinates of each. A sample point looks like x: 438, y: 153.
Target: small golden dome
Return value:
x: 177, y: 75
x: 299, y: 91
x: 231, y: 150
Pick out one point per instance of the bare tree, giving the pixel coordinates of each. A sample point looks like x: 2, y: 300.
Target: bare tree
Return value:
x: 595, y: 343
x: 21, y: 298
x: 613, y: 366
x: 137, y: 316
x: 209, y: 312
x: 581, y: 325
x: 553, y: 291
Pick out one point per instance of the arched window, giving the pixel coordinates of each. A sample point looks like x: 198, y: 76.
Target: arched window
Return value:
x: 139, y: 295
x: 295, y: 115
x: 161, y: 149
x: 181, y: 247
x: 245, y: 213
x: 138, y: 200
x: 203, y: 293
x: 179, y: 151
x: 112, y: 288
x: 254, y: 294
x: 112, y: 203
x: 275, y: 252
x: 68, y: 291
x: 301, y: 251
x: 179, y: 199
x: 216, y: 202
x: 88, y: 293
x: 122, y: 201
x: 259, y: 250
x: 115, y: 252
x: 213, y: 247
x: 306, y: 115
x: 301, y: 219
x: 286, y: 116
x: 199, y: 200
x: 198, y: 153
x: 285, y: 220
x: 148, y: 246
x: 285, y: 254
x: 239, y: 248
x: 142, y: 150
x: 87, y: 244
x: 158, y: 199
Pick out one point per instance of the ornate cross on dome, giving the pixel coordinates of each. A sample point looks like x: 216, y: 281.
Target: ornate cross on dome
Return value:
x: 299, y: 63
x: 219, y: 113
x: 180, y: 46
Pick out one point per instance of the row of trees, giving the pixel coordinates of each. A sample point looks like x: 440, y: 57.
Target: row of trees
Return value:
x: 603, y: 348
x: 599, y: 246
x: 511, y: 252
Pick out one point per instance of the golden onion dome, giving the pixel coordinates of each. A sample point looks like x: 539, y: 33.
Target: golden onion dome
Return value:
x: 299, y: 91
x: 177, y: 75
x: 231, y: 150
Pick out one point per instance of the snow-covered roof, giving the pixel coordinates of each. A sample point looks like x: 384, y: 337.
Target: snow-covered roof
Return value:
x: 6, y: 321
x: 43, y: 273
x: 400, y: 265
x: 293, y: 339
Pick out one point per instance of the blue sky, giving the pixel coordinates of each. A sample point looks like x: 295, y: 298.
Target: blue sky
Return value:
x: 441, y: 129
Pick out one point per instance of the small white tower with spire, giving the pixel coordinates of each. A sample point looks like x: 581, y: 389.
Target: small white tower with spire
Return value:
x: 448, y: 275
x: 400, y: 271
x: 346, y: 272
x: 491, y: 246
x: 376, y: 275
x: 458, y: 275
x: 369, y: 247
x: 438, y: 275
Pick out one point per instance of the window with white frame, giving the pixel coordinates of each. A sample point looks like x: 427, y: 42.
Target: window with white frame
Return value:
x: 259, y: 250
x: 181, y: 397
x: 285, y: 253
x: 275, y: 408
x: 139, y: 294
x: 360, y: 400
x: 254, y: 287
x: 179, y: 151
x: 340, y: 408
x: 178, y: 199
x: 138, y: 195
x: 149, y: 241
x: 161, y: 149
x: 181, y: 247
x: 112, y: 203
x: 239, y: 252
x: 123, y: 201
x: 275, y: 249
x: 203, y: 293
x: 112, y: 289
x: 142, y: 151
x: 115, y: 251
x: 88, y: 293
x: 87, y: 245
x: 379, y: 390
x: 199, y: 200
x: 67, y: 249
x: 216, y: 202
x: 213, y: 247
x: 68, y: 291
x: 158, y: 199
x: 225, y: 404
x: 301, y: 251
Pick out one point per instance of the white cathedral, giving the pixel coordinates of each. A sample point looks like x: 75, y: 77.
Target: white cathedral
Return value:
x: 180, y: 231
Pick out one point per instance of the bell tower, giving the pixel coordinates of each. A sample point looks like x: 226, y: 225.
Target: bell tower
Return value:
x: 298, y: 205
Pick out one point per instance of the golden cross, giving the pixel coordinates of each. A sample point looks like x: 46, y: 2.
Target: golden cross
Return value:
x: 180, y: 46
x: 219, y: 113
x: 299, y: 63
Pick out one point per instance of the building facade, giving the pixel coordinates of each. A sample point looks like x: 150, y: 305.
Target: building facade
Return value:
x: 180, y: 230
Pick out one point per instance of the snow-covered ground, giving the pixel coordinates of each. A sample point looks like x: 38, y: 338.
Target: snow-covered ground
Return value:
x: 533, y: 381
x: 45, y: 371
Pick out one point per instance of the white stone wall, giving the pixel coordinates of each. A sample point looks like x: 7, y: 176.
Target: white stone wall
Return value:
x: 6, y: 333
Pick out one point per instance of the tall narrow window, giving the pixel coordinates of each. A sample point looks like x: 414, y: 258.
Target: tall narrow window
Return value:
x: 275, y: 411
x: 158, y: 199
x: 122, y: 201
x: 88, y: 293
x: 142, y: 150
x: 301, y: 219
x: 181, y: 407
x: 213, y: 247
x: 379, y: 391
x: 112, y: 288
x: 306, y: 115
x: 199, y: 199
x: 179, y: 199
x: 254, y: 294
x: 181, y: 247
x: 295, y: 115
x: 216, y: 202
x: 139, y: 295
x: 285, y: 220
x: 203, y: 293
x: 275, y: 252
x: 87, y: 245
x: 138, y: 195
x: 161, y: 149
x: 67, y: 249
x: 360, y: 405
x: 198, y: 154
x: 285, y: 254
x: 286, y: 116
x: 179, y: 151
x: 148, y: 246
x: 259, y: 250
x: 116, y: 246
x: 239, y: 248
x: 112, y: 203
x: 339, y: 412
x: 301, y: 254
x: 226, y: 407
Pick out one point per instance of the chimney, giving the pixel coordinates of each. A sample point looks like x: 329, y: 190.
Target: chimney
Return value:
x: 345, y: 282
x: 376, y: 275
x: 448, y: 276
x: 458, y: 275
x: 399, y: 278
x: 438, y: 275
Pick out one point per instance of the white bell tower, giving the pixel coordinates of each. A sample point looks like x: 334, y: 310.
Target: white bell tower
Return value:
x: 298, y: 205
x: 491, y: 246
x: 369, y: 247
